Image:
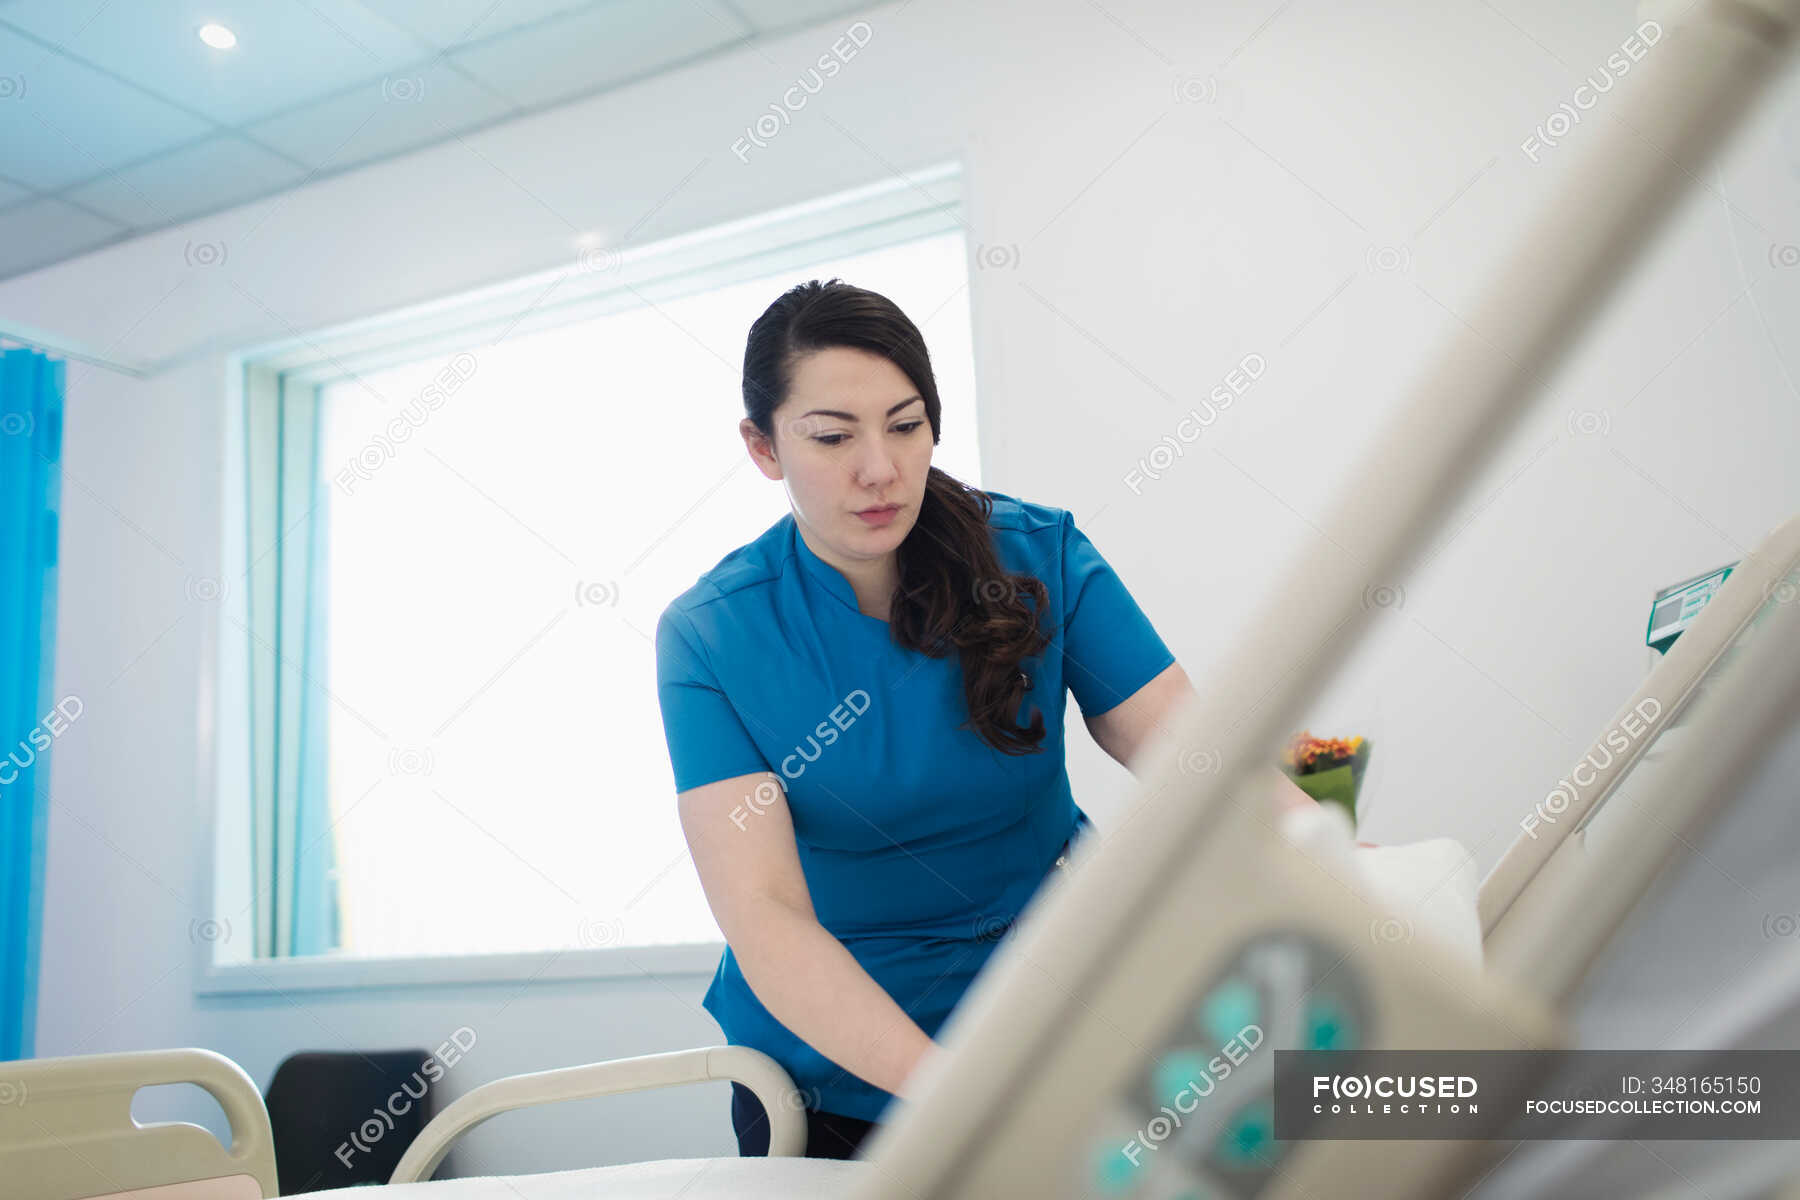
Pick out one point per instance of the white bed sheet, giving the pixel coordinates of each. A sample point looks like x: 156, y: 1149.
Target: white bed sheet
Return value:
x: 664, y: 1179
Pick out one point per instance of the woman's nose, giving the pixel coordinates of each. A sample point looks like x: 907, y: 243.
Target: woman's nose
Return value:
x: 876, y: 468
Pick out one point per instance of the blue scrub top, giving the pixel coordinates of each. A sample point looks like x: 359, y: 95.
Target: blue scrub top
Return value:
x: 920, y: 843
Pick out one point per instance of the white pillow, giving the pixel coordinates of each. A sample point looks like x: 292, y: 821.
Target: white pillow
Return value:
x: 1431, y: 888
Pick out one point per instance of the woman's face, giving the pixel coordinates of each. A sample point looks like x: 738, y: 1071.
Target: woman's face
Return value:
x: 851, y: 436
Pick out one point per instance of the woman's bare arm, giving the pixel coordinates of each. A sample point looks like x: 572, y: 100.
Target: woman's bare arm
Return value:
x: 1124, y: 730
x: 742, y: 838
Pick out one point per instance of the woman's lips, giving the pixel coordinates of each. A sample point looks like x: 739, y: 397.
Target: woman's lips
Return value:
x: 879, y: 516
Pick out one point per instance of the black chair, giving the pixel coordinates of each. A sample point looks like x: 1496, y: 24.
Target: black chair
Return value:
x: 334, y: 1120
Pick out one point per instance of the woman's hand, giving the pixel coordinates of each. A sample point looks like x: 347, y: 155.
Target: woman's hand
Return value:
x: 1285, y: 792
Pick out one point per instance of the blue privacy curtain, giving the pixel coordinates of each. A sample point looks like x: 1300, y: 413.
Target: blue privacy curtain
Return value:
x: 31, y: 413
x: 288, y: 504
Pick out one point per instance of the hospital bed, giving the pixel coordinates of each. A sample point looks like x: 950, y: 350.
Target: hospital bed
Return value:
x: 1049, y: 1060
x: 80, y: 1130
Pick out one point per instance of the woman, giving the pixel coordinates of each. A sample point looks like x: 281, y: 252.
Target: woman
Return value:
x: 864, y: 711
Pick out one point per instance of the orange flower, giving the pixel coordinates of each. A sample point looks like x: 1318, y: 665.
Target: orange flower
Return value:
x: 1305, y: 753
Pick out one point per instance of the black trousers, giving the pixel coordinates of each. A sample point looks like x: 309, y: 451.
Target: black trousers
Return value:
x: 828, y: 1135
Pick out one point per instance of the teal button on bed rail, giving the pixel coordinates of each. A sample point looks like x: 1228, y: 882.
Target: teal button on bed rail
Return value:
x: 1115, y: 1172
x: 1178, y: 1072
x: 1328, y: 1026
x: 1232, y: 1005
x: 1245, y: 1142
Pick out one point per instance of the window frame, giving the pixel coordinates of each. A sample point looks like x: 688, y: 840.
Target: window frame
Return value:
x: 601, y: 281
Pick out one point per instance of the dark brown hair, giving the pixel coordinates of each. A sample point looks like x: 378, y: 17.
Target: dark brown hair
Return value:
x: 953, y: 592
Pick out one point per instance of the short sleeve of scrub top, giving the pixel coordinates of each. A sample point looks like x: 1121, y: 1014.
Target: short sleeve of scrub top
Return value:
x: 920, y: 843
x: 712, y: 743
x: 1110, y: 649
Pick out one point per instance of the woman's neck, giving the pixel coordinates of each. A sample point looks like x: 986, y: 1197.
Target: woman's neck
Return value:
x: 872, y: 581
x: 874, y: 586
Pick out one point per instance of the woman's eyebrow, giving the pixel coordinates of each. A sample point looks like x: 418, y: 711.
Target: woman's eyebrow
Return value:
x: 832, y: 412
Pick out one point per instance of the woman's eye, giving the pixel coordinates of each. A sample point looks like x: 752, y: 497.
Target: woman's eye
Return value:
x: 837, y: 439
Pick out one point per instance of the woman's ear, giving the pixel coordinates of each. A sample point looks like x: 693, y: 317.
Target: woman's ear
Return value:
x: 762, y: 452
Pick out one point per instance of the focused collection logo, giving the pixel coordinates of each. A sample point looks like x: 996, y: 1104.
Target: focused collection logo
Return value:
x: 1390, y: 1094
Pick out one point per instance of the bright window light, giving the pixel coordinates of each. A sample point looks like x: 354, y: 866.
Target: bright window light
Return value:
x: 498, y: 776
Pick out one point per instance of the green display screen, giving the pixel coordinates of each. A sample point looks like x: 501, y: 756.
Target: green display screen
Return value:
x: 1675, y: 607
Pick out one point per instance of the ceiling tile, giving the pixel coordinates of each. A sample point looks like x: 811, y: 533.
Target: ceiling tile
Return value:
x: 205, y: 177
x: 313, y: 86
x: 770, y: 15
x: 451, y: 22
x: 11, y: 193
x: 372, y: 121
x: 289, y: 51
x: 61, y: 122
x: 597, y: 47
x: 41, y: 232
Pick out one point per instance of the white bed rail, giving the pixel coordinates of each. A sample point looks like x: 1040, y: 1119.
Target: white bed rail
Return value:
x: 66, y: 1129
x: 741, y: 1064
x: 1670, y: 686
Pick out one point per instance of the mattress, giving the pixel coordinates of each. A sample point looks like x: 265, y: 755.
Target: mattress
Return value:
x: 665, y: 1179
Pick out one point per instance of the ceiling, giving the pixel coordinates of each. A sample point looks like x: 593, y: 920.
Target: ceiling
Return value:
x: 116, y: 119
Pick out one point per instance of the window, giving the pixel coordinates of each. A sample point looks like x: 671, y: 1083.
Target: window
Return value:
x: 485, y: 590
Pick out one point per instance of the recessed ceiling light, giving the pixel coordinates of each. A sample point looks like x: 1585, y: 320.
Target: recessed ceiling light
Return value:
x: 218, y: 37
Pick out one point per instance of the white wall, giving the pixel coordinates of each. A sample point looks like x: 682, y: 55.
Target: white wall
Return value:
x: 1330, y: 208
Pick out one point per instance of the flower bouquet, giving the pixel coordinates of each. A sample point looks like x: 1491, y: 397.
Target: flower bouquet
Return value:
x: 1327, y: 768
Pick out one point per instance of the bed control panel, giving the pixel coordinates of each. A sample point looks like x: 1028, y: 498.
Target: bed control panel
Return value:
x: 1197, y: 1120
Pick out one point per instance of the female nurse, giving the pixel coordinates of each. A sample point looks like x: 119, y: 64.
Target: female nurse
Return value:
x: 864, y: 712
